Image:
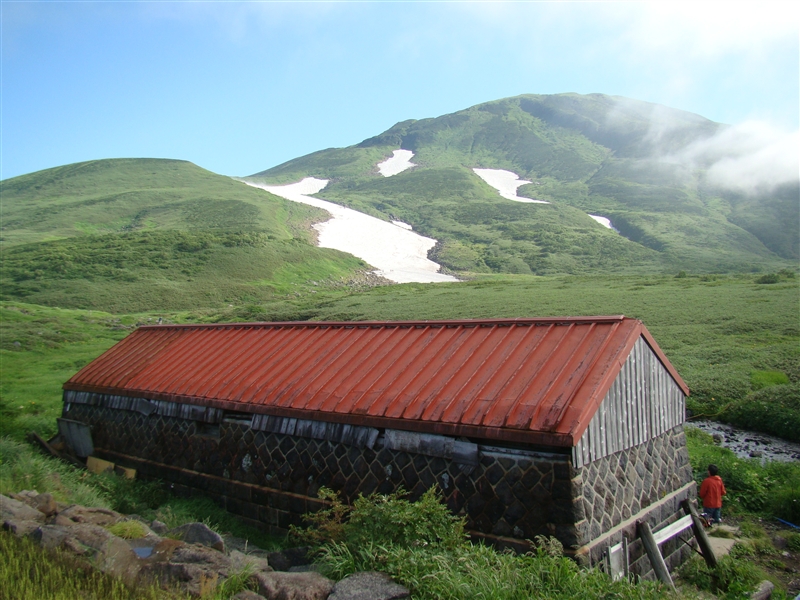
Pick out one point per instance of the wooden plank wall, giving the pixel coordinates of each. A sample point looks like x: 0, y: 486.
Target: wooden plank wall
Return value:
x: 643, y: 402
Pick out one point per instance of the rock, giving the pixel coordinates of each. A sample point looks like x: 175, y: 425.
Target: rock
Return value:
x: 247, y: 595
x: 20, y: 528
x: 718, y: 438
x: 93, y: 516
x: 193, y: 567
x: 14, y: 510
x: 293, y: 586
x: 45, y: 504
x: 368, y: 585
x: 756, y: 454
x: 305, y: 568
x: 60, y: 520
x: 193, y: 579
x: 107, y: 552
x: 111, y: 555
x: 241, y: 561
x: 159, y: 527
x: 286, y: 559
x: 198, y: 533
x: 50, y: 536
x: 198, y: 554
x: 763, y: 591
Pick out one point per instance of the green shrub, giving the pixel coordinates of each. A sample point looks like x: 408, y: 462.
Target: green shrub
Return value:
x: 732, y: 577
x: 762, y: 379
x: 768, y: 278
x: 770, y: 489
x: 792, y: 541
x: 422, y: 546
x: 774, y: 410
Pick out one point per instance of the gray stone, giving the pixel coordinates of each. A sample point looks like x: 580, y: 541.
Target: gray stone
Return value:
x: 247, y: 595
x: 286, y: 559
x: 91, y: 515
x: 159, y: 527
x: 45, y: 504
x: 50, y: 536
x: 11, y: 509
x: 293, y: 586
x: 369, y: 585
x: 198, y: 533
x: 192, y: 567
x: 241, y: 561
x: 20, y: 528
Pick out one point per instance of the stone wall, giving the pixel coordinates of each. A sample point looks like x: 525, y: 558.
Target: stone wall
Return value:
x: 512, y: 494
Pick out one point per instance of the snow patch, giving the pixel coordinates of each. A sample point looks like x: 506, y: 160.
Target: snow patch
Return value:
x: 398, y: 254
x: 506, y: 183
x: 397, y: 163
x: 403, y: 225
x: 604, y: 222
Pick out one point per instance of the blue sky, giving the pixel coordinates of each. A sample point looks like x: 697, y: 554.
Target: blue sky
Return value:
x: 240, y: 87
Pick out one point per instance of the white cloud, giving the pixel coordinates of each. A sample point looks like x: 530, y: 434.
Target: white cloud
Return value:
x: 753, y: 156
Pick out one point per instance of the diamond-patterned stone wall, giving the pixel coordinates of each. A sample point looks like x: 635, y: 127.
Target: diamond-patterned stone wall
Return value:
x: 614, y: 488
x: 512, y: 493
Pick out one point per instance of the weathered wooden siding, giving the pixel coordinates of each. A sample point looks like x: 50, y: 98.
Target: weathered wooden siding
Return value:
x: 643, y: 402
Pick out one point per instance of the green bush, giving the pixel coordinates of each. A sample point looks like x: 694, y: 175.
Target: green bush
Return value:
x: 774, y: 410
x: 769, y: 490
x: 733, y: 578
x: 768, y: 278
x: 424, y: 547
x: 762, y: 379
x: 792, y: 541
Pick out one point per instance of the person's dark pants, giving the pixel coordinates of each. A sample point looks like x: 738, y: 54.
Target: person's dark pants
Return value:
x: 715, y: 514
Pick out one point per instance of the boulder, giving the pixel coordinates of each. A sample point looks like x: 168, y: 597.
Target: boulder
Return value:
x: 368, y: 585
x: 241, y: 561
x: 291, y: 557
x: 293, y: 586
x: 193, y: 579
x: 198, y: 533
x: 50, y: 536
x: 14, y: 510
x: 194, y: 568
x: 91, y: 515
x: 45, y: 504
x: 247, y: 595
x: 159, y: 527
x: 109, y: 553
x: 20, y: 528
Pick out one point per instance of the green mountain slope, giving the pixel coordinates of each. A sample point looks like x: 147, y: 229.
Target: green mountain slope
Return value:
x: 146, y: 234
x: 594, y: 154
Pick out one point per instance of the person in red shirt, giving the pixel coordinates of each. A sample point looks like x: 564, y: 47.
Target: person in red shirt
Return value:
x: 711, y: 491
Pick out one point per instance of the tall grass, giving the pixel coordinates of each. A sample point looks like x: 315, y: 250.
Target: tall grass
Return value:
x: 28, y: 572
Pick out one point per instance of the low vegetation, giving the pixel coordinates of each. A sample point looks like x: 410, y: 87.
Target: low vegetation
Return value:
x: 424, y: 547
x: 767, y: 490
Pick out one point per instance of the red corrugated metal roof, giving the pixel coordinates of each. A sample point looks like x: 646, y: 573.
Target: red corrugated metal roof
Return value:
x: 538, y: 381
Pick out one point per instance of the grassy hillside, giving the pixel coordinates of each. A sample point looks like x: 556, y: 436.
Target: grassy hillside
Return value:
x: 144, y: 234
x: 590, y: 154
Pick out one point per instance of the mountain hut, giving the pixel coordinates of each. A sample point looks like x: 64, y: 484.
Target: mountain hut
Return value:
x: 569, y: 427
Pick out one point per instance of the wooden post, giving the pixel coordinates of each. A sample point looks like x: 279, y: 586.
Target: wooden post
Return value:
x: 700, y: 533
x: 654, y: 554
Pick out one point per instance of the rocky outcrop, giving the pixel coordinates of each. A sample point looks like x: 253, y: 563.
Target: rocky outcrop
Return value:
x: 368, y: 586
x: 191, y: 558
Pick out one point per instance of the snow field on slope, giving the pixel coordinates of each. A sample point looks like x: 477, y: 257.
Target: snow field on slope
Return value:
x: 397, y: 253
x: 397, y: 163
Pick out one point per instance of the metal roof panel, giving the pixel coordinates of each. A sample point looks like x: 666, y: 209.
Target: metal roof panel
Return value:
x: 534, y: 380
